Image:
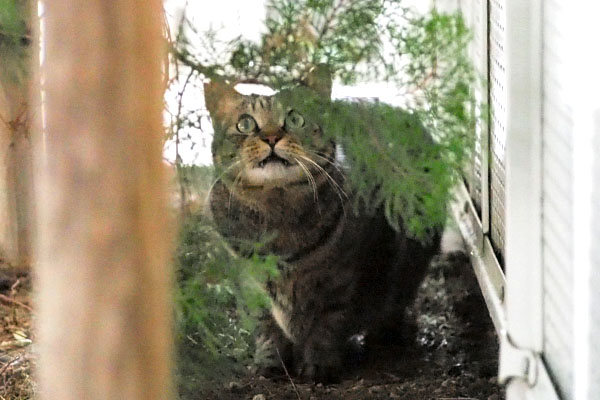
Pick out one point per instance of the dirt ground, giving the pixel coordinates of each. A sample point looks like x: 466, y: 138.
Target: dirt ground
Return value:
x: 449, y: 353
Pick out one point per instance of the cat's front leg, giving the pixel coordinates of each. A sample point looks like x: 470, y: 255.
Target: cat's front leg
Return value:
x: 321, y: 355
x: 273, y: 349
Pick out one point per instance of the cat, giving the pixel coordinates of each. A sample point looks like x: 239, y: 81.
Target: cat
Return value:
x: 341, y: 273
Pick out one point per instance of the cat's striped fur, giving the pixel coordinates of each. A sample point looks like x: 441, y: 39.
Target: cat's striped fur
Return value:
x: 341, y: 274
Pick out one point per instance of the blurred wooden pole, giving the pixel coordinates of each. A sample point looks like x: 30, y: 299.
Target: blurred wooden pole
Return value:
x: 103, y: 282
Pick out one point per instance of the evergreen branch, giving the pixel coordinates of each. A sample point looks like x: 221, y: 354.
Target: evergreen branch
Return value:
x: 391, y: 166
x: 183, y: 58
x: 329, y: 20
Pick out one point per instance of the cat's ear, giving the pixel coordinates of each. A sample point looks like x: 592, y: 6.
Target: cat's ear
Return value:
x: 319, y: 80
x: 217, y: 94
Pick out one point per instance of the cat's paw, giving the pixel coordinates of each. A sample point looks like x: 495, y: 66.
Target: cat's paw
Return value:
x: 270, y: 356
x: 320, y: 373
x: 265, y: 355
x: 324, y: 366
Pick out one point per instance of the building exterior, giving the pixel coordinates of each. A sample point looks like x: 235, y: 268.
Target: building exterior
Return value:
x: 530, y: 205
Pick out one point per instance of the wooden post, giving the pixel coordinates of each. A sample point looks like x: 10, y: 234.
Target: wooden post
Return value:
x: 103, y: 237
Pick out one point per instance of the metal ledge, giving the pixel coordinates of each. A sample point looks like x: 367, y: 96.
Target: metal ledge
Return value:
x: 487, y: 269
x: 529, y: 381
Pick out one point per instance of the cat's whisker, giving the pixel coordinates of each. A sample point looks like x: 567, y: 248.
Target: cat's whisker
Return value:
x: 329, y: 161
x: 310, y: 178
x: 324, y: 155
x: 334, y: 185
x: 218, y: 178
x: 327, y: 175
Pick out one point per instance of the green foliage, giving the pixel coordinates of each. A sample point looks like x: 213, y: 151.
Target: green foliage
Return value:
x: 194, y: 182
x: 402, y: 149
x: 439, y: 76
x: 219, y: 299
x: 14, y: 38
x: 394, y: 162
x: 424, y: 56
x: 300, y: 34
x: 12, y: 22
x: 404, y: 170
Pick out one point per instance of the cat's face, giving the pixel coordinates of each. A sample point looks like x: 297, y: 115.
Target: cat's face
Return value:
x: 260, y: 142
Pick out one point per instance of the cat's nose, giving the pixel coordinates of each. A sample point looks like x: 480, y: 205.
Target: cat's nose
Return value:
x: 271, y: 140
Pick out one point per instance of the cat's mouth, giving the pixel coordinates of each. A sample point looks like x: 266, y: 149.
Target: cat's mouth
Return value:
x: 273, y: 158
x: 273, y: 171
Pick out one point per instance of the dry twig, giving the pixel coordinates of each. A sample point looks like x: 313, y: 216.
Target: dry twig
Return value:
x: 13, y: 288
x: 288, y: 374
x: 8, y: 364
x: 13, y: 301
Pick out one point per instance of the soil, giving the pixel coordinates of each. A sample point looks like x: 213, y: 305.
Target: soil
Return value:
x: 450, y: 352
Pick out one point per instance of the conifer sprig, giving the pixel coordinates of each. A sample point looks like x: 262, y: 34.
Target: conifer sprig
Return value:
x: 423, y: 56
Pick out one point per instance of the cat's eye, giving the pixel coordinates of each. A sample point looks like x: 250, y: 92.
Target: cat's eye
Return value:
x: 294, y: 120
x: 246, y: 124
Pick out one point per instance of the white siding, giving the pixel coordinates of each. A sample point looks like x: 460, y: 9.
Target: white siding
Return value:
x: 595, y: 278
x: 557, y: 201
x: 544, y: 195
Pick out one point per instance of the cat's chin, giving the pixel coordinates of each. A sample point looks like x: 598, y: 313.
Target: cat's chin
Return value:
x: 274, y: 174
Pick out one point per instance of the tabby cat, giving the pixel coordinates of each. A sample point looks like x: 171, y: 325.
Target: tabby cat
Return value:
x: 340, y: 273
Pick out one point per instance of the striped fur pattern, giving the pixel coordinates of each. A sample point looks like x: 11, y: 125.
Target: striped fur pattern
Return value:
x: 341, y: 273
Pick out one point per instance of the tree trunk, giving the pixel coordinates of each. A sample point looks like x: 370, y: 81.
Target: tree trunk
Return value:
x: 103, y: 237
